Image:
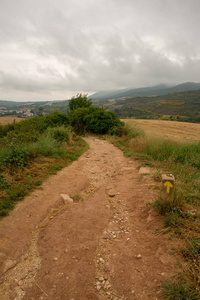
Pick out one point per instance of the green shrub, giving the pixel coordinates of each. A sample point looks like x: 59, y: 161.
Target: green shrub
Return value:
x: 117, y: 130
x: 28, y: 130
x: 94, y: 119
x: 60, y: 134
x: 45, y: 146
x: 56, y: 119
x: 79, y: 101
x: 3, y: 183
x: 16, y: 157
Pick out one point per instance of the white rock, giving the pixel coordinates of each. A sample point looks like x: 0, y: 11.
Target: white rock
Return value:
x: 144, y: 170
x: 66, y: 198
x: 139, y: 256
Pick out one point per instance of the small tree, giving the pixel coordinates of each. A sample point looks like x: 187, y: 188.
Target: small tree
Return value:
x: 79, y: 101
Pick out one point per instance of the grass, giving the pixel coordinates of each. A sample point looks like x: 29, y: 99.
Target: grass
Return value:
x: 178, y: 291
x: 182, y: 217
x: 22, y: 174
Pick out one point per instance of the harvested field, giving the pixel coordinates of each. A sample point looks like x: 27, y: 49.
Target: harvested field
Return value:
x: 178, y: 131
x: 9, y: 120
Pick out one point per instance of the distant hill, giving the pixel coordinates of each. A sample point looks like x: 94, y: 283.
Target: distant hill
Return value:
x: 174, y: 104
x: 147, y: 102
x: 15, y: 104
x: 145, y: 91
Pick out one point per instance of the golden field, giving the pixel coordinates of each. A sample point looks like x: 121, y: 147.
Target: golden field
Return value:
x: 9, y: 120
x: 177, y: 131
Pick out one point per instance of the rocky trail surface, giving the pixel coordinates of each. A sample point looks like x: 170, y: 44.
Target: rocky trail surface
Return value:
x: 107, y: 244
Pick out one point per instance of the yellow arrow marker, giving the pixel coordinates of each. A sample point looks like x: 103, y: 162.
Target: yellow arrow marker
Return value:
x: 168, y: 185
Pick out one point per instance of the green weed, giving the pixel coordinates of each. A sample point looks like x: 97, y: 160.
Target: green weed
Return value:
x: 178, y: 291
x: 16, y: 157
x: 3, y: 183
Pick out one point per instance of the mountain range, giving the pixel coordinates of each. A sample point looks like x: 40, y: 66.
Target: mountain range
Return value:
x: 145, y: 91
x: 148, y: 102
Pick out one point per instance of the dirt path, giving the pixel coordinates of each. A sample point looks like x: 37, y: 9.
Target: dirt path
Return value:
x: 105, y: 245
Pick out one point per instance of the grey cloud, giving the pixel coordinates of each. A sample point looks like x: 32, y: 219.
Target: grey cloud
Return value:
x: 58, y: 48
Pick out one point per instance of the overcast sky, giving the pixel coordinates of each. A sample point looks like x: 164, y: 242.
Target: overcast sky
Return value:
x: 54, y: 49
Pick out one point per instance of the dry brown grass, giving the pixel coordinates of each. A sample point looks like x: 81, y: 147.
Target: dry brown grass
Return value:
x: 9, y: 120
x: 177, y: 131
x: 138, y: 143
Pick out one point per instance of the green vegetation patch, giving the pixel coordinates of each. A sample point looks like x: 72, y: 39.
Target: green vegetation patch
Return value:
x: 32, y: 150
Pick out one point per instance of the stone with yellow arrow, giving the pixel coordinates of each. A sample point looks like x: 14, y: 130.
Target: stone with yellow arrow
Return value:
x: 167, y: 188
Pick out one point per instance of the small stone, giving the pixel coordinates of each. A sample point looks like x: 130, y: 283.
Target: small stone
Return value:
x: 149, y: 219
x: 137, y: 230
x: 111, y: 194
x: 162, y: 274
x: 192, y: 212
x: 66, y: 198
x: 114, y: 236
x: 98, y: 261
x: 55, y: 258
x: 101, y: 278
x: 132, y: 292
x: 101, y: 260
x: 139, y: 256
x: 98, y: 287
x: 144, y: 170
x: 20, y: 283
x: 128, y: 239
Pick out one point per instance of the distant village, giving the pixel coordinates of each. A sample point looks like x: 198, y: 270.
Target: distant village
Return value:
x: 21, y: 113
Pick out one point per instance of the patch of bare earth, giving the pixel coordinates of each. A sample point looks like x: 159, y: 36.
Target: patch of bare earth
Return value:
x: 105, y: 245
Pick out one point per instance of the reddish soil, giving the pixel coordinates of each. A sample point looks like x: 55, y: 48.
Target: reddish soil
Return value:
x: 108, y: 244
